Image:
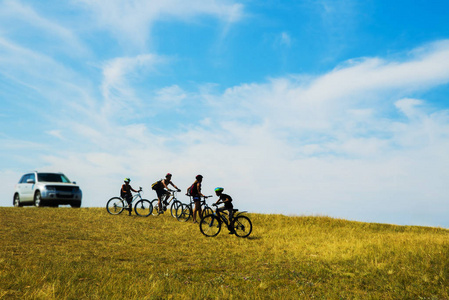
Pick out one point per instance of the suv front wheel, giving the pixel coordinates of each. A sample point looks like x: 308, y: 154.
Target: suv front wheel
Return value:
x: 17, y: 201
x: 38, y: 199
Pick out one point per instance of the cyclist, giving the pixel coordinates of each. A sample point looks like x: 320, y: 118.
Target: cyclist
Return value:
x: 161, y: 188
x: 227, y: 200
x: 126, y: 194
x: 195, y: 192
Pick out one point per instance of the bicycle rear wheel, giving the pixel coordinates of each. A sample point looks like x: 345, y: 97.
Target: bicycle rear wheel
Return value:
x: 210, y: 225
x: 206, y: 211
x: 143, y: 208
x: 176, y: 205
x: 242, y: 226
x: 183, y: 214
x: 155, y: 206
x: 115, y: 206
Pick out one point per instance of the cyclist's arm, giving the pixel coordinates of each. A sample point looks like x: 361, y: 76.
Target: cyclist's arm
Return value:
x: 226, y: 200
x: 198, y: 187
x: 133, y: 190
x: 173, y: 185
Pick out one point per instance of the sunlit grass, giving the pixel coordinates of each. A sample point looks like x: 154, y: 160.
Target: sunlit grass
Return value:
x: 69, y: 253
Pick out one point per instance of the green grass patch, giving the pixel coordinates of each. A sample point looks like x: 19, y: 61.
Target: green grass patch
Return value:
x: 64, y: 253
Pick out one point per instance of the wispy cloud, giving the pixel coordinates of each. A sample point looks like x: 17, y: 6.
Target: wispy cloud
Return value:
x: 117, y: 92
x: 33, y: 24
x: 131, y: 21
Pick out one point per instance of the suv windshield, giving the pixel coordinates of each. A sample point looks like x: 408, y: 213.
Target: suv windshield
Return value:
x: 52, y: 177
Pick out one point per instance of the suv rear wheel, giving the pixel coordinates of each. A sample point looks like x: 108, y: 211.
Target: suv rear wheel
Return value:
x: 17, y: 201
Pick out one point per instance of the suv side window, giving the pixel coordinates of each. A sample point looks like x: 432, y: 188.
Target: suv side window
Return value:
x: 23, y: 179
x: 32, y: 177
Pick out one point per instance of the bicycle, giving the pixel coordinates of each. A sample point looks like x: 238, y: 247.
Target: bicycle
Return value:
x: 174, y: 207
x: 240, y: 225
x: 186, y: 210
x: 142, y: 207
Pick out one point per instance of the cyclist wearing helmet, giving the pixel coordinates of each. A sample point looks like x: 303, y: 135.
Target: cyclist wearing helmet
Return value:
x: 195, y: 192
x: 161, y: 188
x: 126, y: 194
x: 227, y: 200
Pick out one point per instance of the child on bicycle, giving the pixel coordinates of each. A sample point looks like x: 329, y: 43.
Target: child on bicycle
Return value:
x: 227, y: 200
x: 161, y: 188
x: 126, y: 194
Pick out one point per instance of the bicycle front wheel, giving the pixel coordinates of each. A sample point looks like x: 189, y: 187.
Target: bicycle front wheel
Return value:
x: 210, y: 225
x: 155, y: 206
x: 183, y: 214
x: 242, y: 226
x: 115, y: 206
x: 143, y: 208
x: 176, y: 205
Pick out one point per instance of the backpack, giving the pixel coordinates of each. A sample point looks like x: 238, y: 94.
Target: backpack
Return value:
x: 190, y: 190
x: 157, y: 185
x: 122, y: 193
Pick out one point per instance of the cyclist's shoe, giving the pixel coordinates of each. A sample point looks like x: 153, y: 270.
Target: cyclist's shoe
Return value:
x: 232, y: 232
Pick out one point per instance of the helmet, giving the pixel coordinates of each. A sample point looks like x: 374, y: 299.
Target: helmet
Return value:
x: 219, y: 189
x: 168, y: 175
x: 127, y: 179
x: 198, y: 177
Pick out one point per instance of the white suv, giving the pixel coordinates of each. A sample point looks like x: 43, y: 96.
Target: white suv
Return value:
x: 46, y: 189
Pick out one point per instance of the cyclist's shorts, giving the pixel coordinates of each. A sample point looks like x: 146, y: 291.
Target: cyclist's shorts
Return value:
x: 161, y: 192
x: 196, y: 198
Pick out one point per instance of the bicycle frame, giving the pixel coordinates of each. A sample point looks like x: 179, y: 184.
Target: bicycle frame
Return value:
x: 135, y: 197
x: 171, y: 198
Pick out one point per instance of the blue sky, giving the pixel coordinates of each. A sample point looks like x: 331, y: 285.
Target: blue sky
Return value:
x: 336, y: 108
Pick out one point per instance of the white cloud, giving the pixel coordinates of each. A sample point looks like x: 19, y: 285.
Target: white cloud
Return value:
x: 52, y: 33
x: 131, y: 21
x: 285, y: 39
x: 118, y: 94
x: 171, y: 94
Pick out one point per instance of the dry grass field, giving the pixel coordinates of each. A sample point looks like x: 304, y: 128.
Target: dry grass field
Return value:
x: 65, y: 253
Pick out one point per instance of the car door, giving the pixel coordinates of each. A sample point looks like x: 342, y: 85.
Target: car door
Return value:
x: 27, y: 188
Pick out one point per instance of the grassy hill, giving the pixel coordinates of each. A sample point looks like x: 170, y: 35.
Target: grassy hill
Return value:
x: 86, y: 253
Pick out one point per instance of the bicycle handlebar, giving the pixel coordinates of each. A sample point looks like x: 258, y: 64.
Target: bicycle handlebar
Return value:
x: 205, y: 197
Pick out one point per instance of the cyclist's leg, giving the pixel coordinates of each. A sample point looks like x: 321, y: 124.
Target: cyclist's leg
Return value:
x: 196, y: 208
x: 160, y: 195
x: 231, y: 215
x: 167, y: 195
x: 129, y: 200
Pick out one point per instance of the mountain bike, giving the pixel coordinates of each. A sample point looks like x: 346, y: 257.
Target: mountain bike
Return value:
x: 240, y: 225
x: 173, y: 202
x: 186, y: 210
x: 142, y: 207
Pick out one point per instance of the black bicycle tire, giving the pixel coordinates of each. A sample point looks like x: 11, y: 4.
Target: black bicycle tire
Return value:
x: 174, y: 207
x: 206, y: 211
x: 155, y: 212
x: 237, y: 226
x: 207, y: 225
x: 184, y: 214
x: 141, y: 203
x: 115, y: 211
